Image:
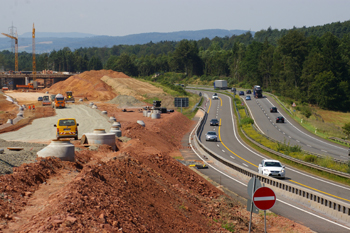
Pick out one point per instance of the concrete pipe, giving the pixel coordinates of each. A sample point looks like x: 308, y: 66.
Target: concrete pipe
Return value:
x: 112, y: 119
x: 1, y: 150
x: 99, y: 137
x: 94, y: 106
x: 62, y: 149
x: 141, y: 123
x: 104, y: 112
x: 20, y: 114
x: 155, y: 115
x: 81, y: 100
x: 20, y: 108
x: 149, y: 114
x: 117, y: 124
x: 91, y: 103
x: 116, y: 131
x: 10, y: 121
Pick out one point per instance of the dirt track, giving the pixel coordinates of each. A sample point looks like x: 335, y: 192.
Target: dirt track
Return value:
x: 43, y: 129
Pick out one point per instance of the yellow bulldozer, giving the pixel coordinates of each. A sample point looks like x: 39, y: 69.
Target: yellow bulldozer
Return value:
x: 69, y: 97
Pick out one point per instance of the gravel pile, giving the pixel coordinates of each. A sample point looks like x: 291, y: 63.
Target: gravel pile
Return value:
x: 125, y: 101
x: 12, y: 158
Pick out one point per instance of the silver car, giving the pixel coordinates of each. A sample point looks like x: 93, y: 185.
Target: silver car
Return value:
x: 211, y: 136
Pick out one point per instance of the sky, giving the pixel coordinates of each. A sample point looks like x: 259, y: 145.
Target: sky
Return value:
x: 120, y: 18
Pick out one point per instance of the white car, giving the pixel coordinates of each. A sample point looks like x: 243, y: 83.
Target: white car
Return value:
x: 269, y: 167
x: 215, y: 96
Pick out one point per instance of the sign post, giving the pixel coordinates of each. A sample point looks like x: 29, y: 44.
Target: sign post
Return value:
x: 264, y: 198
x: 253, y: 185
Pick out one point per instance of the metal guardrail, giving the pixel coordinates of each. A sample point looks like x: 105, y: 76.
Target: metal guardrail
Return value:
x: 310, y: 198
x: 304, y: 151
x: 196, y: 105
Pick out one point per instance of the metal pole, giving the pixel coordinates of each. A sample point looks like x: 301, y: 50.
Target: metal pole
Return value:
x: 251, y: 207
x: 265, y: 219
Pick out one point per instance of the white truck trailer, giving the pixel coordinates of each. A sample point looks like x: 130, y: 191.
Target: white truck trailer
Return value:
x: 221, y: 84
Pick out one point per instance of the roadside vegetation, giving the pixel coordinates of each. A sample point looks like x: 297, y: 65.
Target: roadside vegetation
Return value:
x: 287, y: 149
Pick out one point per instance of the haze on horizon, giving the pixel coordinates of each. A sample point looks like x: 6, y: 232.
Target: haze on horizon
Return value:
x: 119, y: 18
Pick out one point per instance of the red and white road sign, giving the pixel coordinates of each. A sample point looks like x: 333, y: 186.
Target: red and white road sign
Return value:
x: 264, y: 198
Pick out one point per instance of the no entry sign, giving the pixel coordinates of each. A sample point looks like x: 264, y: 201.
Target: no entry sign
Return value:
x: 264, y: 198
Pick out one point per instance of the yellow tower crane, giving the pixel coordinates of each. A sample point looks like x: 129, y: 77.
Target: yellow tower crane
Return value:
x: 33, y: 50
x: 16, y: 49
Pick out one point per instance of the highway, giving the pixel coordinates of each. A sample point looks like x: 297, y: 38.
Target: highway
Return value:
x: 232, y: 148
x: 290, y: 131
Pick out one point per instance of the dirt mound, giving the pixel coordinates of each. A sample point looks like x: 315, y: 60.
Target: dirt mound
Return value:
x: 131, y: 87
x: 125, y: 101
x: 88, y: 84
x: 8, y: 109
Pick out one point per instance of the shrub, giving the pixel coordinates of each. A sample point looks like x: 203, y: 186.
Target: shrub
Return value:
x: 247, y: 120
x: 310, y: 158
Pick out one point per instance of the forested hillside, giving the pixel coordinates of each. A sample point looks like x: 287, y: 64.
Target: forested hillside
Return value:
x: 307, y: 64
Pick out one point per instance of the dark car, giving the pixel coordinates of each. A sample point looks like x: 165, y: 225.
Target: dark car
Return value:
x: 273, y: 109
x: 247, y: 97
x: 241, y: 93
x: 214, y: 122
x: 249, y: 92
x: 280, y: 119
x: 40, y: 98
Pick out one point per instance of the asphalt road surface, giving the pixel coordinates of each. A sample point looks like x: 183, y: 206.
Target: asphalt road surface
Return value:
x: 42, y: 129
x: 232, y: 148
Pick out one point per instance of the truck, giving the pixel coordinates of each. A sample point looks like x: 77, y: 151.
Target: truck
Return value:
x: 221, y: 84
x: 46, y: 100
x: 257, y: 91
x: 59, y: 101
x: 29, y: 86
x: 69, y: 97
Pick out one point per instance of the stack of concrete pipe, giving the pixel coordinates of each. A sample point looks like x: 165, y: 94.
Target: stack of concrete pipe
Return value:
x: 116, y: 130
x: 62, y: 149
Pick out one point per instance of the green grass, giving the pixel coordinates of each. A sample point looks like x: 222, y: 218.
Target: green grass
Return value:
x: 293, y: 152
x: 331, y: 127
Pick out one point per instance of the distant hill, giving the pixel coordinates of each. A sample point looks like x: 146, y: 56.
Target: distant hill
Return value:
x: 48, y: 41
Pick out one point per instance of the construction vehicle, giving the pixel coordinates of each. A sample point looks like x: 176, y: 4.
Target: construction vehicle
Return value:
x: 28, y: 86
x: 46, y: 100
x: 69, y: 97
x: 59, y: 102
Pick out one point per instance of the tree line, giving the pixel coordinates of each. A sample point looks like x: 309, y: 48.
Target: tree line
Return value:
x: 300, y: 64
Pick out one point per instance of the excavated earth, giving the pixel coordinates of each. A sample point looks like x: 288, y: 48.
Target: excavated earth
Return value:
x: 138, y: 188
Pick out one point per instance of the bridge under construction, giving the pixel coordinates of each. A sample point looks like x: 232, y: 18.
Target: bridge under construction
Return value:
x: 12, y: 80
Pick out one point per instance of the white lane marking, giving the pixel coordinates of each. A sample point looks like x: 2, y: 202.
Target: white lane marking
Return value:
x: 324, y: 151
x: 223, y: 151
x: 307, y: 134
x: 253, y: 152
x: 297, y: 140
x: 239, y: 182
x: 218, y: 145
x: 283, y: 132
x: 232, y: 157
x: 289, y: 136
x: 245, y: 164
x: 309, y: 146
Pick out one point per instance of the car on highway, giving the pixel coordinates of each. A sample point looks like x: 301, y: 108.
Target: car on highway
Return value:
x: 67, y: 128
x: 211, y: 136
x: 270, y: 167
x: 248, y: 97
x: 280, y: 119
x: 40, y: 98
x: 273, y: 109
x: 214, y: 122
x: 249, y: 92
x: 215, y: 96
x: 241, y: 93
